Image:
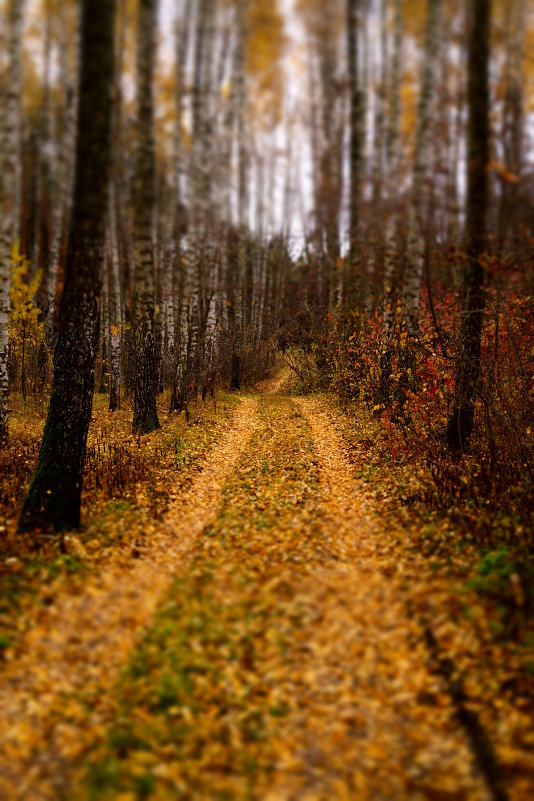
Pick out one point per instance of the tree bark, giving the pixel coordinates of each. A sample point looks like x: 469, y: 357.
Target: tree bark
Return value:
x: 145, y: 417
x: 513, y: 121
x: 115, y: 309
x: 63, y: 169
x: 393, y: 160
x: 419, y: 208
x: 356, y: 127
x: 418, y: 219
x: 54, y: 497
x: 10, y: 192
x: 238, y: 266
x: 460, y: 424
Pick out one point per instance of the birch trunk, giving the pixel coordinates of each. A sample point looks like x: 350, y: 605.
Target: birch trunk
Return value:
x: 377, y: 181
x: 356, y: 127
x: 55, y: 492
x: 145, y: 417
x: 513, y: 118
x: 63, y: 168
x: 393, y: 158
x: 115, y: 308
x: 419, y: 205
x: 238, y: 267
x: 103, y: 378
x: 418, y: 220
x: 460, y: 424
x: 180, y: 276
x: 200, y: 198
x: 10, y: 198
x: 115, y: 206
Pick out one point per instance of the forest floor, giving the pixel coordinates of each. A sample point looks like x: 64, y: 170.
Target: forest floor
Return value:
x: 253, y: 623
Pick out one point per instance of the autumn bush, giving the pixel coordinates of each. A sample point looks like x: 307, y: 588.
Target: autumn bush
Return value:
x: 120, y: 467
x: 489, y: 489
x: 29, y: 357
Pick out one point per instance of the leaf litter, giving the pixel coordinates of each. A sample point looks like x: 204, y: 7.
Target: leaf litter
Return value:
x: 288, y: 660
x: 282, y: 664
x: 83, y: 636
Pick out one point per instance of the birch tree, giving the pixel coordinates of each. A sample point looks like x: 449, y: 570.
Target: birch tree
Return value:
x: 512, y: 135
x: 183, y: 43
x: 356, y: 126
x: 115, y: 307
x: 62, y: 168
x: 419, y: 200
x: 145, y: 416
x: 460, y: 424
x: 238, y: 264
x: 10, y: 197
x: 54, y: 497
x: 390, y: 199
x: 420, y: 176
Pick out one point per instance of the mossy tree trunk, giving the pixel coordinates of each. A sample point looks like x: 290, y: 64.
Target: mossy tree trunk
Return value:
x: 460, y: 424
x: 54, y: 496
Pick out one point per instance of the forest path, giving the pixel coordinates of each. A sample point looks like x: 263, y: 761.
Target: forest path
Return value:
x: 283, y: 664
x: 81, y: 639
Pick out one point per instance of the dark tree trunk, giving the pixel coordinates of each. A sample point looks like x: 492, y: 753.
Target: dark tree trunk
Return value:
x: 355, y: 127
x: 235, y: 380
x: 460, y: 424
x: 55, y: 492
x: 145, y: 417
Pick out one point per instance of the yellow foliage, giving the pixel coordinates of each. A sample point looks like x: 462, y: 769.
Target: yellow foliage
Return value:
x: 415, y: 17
x: 266, y: 36
x: 408, y: 105
x: 226, y: 89
x: 26, y: 329
x: 265, y: 48
x: 32, y: 88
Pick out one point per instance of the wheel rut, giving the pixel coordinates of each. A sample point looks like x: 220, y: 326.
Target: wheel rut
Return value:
x: 282, y: 663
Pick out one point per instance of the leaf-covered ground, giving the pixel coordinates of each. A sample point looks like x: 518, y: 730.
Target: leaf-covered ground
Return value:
x: 78, y: 633
x: 299, y: 652
x: 130, y: 483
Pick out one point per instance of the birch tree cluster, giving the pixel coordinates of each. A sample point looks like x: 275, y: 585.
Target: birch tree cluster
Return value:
x: 349, y: 183
x: 192, y: 272
x: 419, y: 233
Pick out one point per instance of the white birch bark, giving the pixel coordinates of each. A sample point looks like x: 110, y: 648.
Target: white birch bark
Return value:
x: 392, y: 162
x: 419, y: 205
x: 238, y: 269
x: 10, y: 198
x: 393, y: 158
x: 377, y: 181
x: 63, y: 167
x: 512, y: 126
